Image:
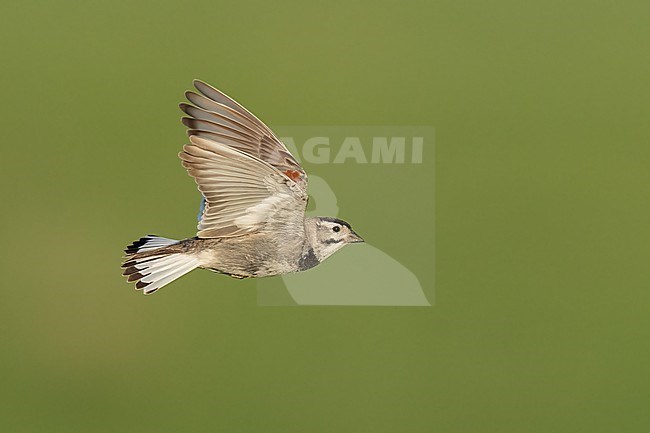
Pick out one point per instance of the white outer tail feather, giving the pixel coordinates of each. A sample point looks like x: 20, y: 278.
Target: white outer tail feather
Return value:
x: 155, y: 271
x: 162, y: 271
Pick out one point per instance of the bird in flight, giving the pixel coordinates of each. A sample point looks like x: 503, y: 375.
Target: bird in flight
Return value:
x: 252, y: 220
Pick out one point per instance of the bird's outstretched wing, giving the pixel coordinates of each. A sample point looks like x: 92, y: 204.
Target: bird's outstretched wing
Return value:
x: 242, y: 192
x: 216, y: 117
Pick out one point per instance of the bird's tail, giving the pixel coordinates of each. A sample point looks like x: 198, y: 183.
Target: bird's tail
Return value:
x: 152, y: 262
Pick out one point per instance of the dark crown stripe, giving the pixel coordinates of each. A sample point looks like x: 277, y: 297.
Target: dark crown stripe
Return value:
x: 336, y: 220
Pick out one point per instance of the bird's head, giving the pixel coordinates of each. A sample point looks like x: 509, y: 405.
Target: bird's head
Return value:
x: 328, y: 235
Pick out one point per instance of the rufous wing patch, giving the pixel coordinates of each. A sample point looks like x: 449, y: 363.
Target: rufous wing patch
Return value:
x: 292, y: 174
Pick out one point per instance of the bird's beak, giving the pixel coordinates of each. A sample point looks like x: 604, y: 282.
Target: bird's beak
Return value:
x: 354, y: 238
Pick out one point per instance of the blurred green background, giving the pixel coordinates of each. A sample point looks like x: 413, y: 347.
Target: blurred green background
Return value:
x: 541, y: 319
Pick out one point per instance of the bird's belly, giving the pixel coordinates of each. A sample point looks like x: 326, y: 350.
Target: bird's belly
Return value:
x: 253, y: 257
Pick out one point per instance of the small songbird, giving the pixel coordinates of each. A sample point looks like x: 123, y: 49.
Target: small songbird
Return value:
x: 252, y: 219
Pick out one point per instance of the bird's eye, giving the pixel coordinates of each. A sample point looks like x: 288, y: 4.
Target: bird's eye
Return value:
x: 336, y: 229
